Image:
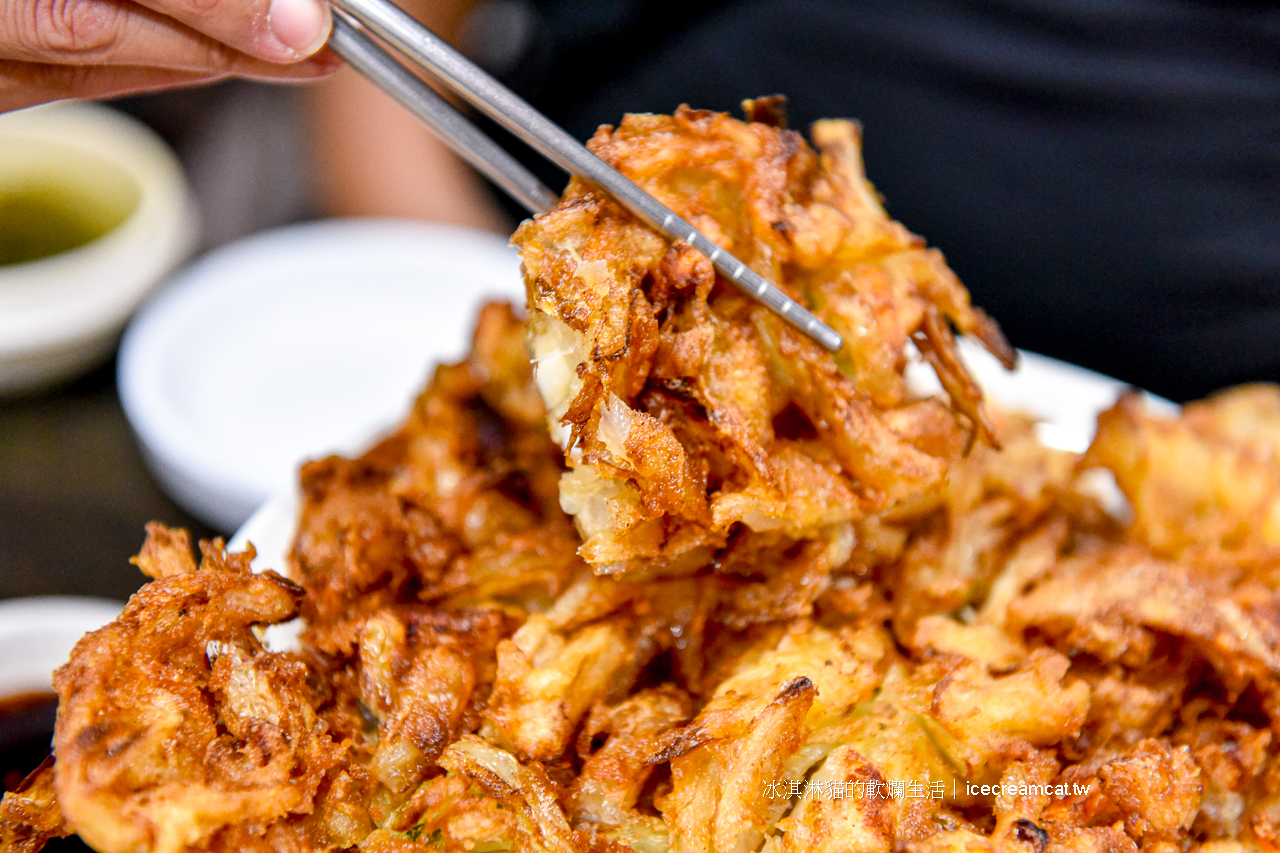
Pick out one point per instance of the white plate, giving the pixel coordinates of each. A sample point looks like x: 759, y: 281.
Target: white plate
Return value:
x: 1066, y: 399
x: 296, y: 343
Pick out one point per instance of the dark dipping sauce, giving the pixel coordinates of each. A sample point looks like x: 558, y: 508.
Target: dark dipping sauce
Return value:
x: 26, y: 731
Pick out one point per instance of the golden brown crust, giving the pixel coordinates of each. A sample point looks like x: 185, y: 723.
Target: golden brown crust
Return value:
x: 174, y: 724
x: 665, y: 385
x: 945, y: 652
x: 1007, y: 634
x: 30, y: 814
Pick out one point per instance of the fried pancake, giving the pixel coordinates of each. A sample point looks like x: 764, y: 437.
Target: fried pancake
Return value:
x: 176, y: 729
x: 687, y: 412
x: 989, y: 663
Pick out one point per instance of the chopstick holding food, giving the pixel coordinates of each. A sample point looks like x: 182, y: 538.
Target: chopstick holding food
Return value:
x: 460, y: 75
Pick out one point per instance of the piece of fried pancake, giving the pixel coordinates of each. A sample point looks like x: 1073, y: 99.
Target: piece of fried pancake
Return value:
x: 693, y: 419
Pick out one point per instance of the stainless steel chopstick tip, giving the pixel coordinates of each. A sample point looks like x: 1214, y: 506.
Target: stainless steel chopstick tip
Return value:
x: 478, y: 88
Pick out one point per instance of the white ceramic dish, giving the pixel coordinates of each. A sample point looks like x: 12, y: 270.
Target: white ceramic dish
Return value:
x: 61, y: 314
x: 1066, y: 399
x: 296, y: 343
x: 37, y: 634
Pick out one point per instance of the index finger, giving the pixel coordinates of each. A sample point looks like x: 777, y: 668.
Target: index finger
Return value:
x: 274, y: 30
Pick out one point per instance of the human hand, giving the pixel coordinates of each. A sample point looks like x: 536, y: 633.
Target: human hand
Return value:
x: 54, y: 49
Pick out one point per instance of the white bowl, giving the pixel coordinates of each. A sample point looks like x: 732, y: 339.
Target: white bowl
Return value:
x: 61, y: 314
x: 37, y: 634
x: 1064, y: 399
x: 297, y: 343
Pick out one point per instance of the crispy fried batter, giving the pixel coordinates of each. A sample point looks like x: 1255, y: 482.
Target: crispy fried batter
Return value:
x: 1205, y: 482
x: 30, y: 814
x: 803, y: 646
x: 174, y: 724
x: 458, y: 507
x: 665, y: 388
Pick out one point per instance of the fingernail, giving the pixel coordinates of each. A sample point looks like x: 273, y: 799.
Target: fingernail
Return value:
x: 300, y: 25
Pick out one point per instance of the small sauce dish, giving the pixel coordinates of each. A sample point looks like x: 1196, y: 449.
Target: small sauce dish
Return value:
x: 94, y: 212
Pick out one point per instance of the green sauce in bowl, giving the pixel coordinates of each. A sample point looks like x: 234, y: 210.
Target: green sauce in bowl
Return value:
x: 54, y: 199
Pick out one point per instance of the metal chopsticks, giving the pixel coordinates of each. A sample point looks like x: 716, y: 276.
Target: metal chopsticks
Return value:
x: 361, y: 53
x: 460, y: 75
